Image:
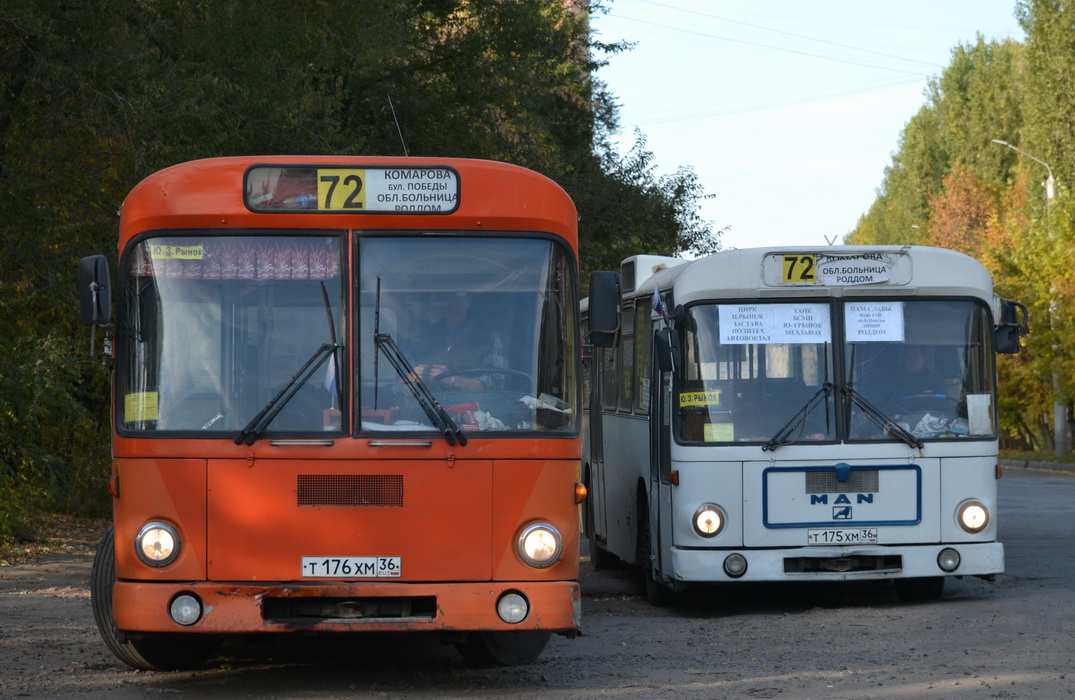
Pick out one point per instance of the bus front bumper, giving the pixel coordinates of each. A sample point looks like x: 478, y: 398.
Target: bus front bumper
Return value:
x: 226, y: 608
x: 858, y: 563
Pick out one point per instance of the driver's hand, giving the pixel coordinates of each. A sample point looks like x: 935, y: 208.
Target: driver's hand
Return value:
x: 427, y: 371
x: 457, y: 382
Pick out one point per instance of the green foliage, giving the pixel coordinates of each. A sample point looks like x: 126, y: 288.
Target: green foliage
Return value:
x: 54, y: 432
x: 635, y: 210
x: 94, y: 96
x: 951, y: 185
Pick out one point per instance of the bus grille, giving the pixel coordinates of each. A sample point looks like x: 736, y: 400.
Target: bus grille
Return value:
x: 351, y: 490
x: 858, y: 481
x: 348, y: 609
x: 851, y: 564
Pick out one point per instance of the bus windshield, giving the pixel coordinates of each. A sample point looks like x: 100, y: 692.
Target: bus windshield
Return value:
x: 225, y: 332
x: 481, y: 328
x: 743, y: 381
x: 766, y: 372
x: 927, y: 365
x: 216, y: 326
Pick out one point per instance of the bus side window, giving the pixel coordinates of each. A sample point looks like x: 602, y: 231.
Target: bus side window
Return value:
x: 643, y: 358
x: 627, y: 360
x: 609, y: 382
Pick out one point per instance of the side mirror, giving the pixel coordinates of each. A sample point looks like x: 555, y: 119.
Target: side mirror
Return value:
x: 1014, y: 323
x: 604, y: 309
x: 94, y: 290
x: 666, y: 349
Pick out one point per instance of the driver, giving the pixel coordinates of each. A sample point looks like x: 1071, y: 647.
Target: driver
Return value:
x: 917, y: 377
x: 456, y: 341
x: 910, y: 376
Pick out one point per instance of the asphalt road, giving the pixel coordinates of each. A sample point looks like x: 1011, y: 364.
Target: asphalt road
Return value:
x: 1009, y: 639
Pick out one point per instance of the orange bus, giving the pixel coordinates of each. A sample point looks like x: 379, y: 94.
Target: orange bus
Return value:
x: 346, y: 397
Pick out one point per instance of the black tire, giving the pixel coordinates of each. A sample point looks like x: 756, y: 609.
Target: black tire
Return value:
x: 503, y: 648
x: 600, y: 557
x: 915, y: 590
x: 148, y: 653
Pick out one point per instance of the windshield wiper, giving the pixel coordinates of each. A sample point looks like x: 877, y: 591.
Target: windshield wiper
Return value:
x: 886, y: 424
x: 419, y: 390
x: 799, y: 418
x: 266, y: 415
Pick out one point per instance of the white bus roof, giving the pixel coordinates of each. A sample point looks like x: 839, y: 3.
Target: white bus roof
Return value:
x: 755, y: 273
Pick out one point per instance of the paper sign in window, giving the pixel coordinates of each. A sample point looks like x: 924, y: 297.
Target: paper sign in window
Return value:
x: 873, y: 321
x: 743, y: 324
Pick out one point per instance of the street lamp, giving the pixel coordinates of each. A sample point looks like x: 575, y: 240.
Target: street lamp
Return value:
x: 1060, y: 423
x: 1050, y: 183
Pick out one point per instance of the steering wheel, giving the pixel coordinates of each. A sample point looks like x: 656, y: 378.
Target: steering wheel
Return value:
x: 514, y: 380
x: 927, y: 402
x: 302, y: 412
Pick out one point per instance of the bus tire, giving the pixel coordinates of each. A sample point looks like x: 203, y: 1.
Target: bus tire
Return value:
x: 503, y: 648
x: 149, y: 653
x: 912, y: 590
x: 600, y: 557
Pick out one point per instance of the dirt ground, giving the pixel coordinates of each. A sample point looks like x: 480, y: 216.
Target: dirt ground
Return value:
x: 1011, y: 639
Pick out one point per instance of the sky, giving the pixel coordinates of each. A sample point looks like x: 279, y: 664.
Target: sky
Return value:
x: 788, y: 111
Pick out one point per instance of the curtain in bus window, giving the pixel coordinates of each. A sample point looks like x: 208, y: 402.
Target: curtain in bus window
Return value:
x: 643, y: 357
x: 484, y: 325
x: 752, y: 370
x: 626, y: 360
x: 251, y: 258
x: 214, y: 327
x: 926, y: 365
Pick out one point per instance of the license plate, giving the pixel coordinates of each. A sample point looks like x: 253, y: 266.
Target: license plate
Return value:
x: 352, y: 567
x: 859, y: 535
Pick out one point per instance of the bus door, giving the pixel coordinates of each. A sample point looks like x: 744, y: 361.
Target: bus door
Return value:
x: 596, y: 526
x: 661, y: 487
x: 603, y: 327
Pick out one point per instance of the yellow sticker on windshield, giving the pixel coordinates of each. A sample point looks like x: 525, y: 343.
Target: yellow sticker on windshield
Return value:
x: 699, y: 398
x: 158, y: 251
x: 719, y: 432
x: 140, y: 406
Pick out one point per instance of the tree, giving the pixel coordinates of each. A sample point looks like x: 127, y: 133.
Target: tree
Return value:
x: 97, y: 95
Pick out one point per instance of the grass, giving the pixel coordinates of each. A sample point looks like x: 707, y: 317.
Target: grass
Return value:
x: 1037, y: 457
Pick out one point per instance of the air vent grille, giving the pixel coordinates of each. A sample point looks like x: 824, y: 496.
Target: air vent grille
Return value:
x: 351, y: 490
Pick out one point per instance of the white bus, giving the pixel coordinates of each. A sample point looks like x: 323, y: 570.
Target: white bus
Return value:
x: 808, y: 414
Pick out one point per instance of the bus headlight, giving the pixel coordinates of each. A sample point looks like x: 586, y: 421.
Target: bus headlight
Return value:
x: 709, y: 520
x: 540, y: 545
x: 972, y: 516
x: 157, y: 544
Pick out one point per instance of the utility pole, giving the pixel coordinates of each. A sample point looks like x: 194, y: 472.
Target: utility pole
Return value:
x: 1060, y: 411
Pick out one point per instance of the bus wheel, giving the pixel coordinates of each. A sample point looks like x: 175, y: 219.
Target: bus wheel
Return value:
x: 600, y: 557
x: 910, y: 590
x: 503, y: 648
x: 159, y: 653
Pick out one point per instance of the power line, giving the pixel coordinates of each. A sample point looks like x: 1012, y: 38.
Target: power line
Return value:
x: 792, y: 34
x: 771, y: 47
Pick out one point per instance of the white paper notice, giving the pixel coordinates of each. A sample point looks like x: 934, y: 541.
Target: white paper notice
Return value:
x: 980, y: 414
x: 872, y: 321
x: 850, y: 270
x: 742, y: 324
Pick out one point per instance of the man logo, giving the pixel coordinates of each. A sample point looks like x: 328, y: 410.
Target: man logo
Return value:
x: 841, y: 513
